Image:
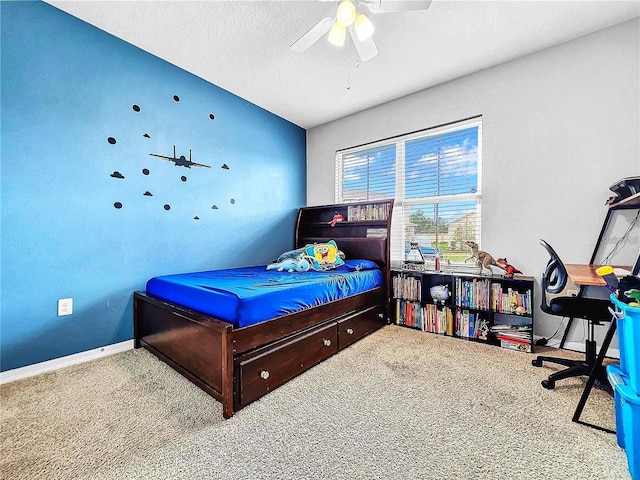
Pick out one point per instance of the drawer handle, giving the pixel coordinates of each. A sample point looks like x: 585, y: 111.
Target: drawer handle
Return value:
x: 381, y: 315
x: 350, y: 331
x: 264, y: 374
x: 327, y: 342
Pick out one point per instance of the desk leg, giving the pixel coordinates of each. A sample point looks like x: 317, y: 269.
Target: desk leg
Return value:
x: 592, y: 377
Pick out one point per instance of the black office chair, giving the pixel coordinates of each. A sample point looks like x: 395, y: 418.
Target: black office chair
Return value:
x: 554, y: 280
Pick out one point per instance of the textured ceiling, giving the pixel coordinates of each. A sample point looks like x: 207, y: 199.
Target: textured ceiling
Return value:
x: 243, y: 46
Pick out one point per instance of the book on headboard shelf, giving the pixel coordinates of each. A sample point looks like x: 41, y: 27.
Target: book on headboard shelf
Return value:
x: 368, y: 211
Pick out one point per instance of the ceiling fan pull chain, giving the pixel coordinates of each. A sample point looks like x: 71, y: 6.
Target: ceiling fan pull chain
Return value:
x: 348, y: 65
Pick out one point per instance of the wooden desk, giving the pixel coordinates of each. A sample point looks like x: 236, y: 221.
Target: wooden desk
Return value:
x: 584, y: 274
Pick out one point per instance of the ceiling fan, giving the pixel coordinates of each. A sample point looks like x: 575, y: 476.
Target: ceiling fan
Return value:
x: 360, y: 28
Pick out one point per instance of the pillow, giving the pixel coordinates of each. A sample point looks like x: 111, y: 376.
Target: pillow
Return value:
x: 323, y: 256
x: 357, y: 265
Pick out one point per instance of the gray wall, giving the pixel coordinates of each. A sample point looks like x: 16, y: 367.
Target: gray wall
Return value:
x: 559, y: 127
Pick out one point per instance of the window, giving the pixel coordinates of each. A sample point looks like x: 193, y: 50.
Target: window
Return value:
x: 434, y: 176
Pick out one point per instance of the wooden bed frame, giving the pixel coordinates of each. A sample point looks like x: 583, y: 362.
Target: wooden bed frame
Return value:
x: 239, y: 365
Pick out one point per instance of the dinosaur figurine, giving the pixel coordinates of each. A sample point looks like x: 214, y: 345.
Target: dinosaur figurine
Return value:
x: 634, y: 294
x: 509, y: 269
x: 483, y: 259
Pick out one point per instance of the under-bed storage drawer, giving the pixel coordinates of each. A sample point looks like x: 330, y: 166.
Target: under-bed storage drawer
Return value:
x: 355, y: 326
x: 271, y: 366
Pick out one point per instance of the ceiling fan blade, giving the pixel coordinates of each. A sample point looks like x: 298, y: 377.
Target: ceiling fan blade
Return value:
x: 366, y: 48
x: 313, y: 35
x: 388, y: 6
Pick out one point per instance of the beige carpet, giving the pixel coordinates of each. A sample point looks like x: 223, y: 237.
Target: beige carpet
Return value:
x: 400, y: 404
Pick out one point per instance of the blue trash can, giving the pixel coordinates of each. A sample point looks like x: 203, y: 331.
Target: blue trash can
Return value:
x: 628, y: 328
x: 616, y: 377
x: 630, y: 406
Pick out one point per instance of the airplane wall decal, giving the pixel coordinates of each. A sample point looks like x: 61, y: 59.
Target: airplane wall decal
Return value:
x: 180, y: 161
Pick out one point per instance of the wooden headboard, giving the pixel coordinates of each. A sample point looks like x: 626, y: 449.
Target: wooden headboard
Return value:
x: 374, y: 249
x: 363, y: 233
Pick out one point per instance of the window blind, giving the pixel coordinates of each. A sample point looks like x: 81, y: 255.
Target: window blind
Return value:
x: 435, y: 177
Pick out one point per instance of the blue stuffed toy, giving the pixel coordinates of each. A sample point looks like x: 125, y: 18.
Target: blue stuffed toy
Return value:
x: 291, y: 265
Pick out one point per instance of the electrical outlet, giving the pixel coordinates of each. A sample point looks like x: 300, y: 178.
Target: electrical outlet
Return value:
x: 572, y: 293
x: 65, y: 306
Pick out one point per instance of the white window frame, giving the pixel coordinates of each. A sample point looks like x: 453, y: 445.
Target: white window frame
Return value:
x: 402, y: 204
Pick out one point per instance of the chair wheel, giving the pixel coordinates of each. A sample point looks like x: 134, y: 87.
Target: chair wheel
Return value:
x: 548, y: 384
x: 536, y: 362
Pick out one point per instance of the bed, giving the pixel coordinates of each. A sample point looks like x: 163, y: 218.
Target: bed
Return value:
x: 237, y: 342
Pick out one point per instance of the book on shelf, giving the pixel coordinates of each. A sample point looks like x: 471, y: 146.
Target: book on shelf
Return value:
x: 438, y: 319
x: 407, y: 287
x: 428, y: 318
x: 515, y: 335
x: 376, y: 233
x: 473, y: 293
x: 510, y: 301
x: 369, y: 211
x: 471, y: 324
x: 509, y: 326
x: 409, y: 314
x: 515, y: 330
x: 514, y: 343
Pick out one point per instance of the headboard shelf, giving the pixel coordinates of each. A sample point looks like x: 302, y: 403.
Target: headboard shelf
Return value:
x: 354, y: 220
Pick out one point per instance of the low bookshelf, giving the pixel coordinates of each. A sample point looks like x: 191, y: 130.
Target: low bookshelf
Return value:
x: 496, y: 310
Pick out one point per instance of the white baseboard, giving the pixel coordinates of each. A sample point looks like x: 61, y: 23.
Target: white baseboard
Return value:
x: 579, y: 347
x: 56, y: 363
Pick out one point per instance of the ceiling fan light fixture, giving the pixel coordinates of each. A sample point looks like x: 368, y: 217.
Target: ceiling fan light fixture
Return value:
x: 364, y: 27
x: 337, y: 34
x: 346, y: 13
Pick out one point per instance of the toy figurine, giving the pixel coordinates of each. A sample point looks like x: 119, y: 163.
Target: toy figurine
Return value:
x: 508, y: 268
x: 338, y: 217
x: 483, y: 259
x: 634, y: 294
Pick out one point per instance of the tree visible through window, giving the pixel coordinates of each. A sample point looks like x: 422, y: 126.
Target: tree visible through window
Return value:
x: 435, y: 177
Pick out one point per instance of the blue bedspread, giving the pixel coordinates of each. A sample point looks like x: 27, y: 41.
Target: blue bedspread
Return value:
x: 245, y: 296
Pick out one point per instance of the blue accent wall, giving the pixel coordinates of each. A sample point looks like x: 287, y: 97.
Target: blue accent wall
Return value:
x: 67, y: 87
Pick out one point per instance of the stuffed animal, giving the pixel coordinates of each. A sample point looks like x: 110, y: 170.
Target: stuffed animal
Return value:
x: 291, y: 265
x: 324, y: 256
x: 302, y: 265
x: 509, y: 269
